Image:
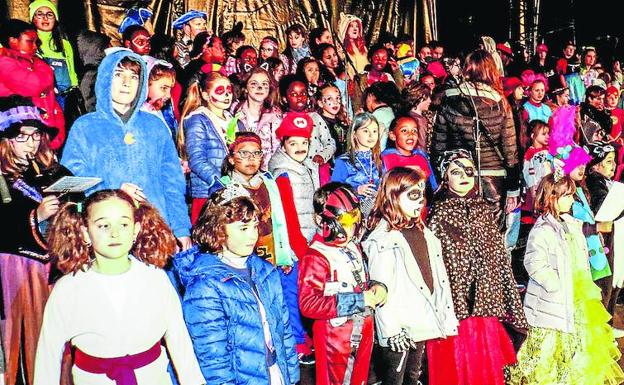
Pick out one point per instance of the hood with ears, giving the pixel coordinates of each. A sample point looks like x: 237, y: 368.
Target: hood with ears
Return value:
x: 343, y: 25
x: 104, y: 101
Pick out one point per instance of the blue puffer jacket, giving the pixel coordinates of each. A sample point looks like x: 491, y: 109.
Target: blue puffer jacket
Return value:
x: 206, y: 152
x: 364, y: 171
x: 140, y: 151
x: 223, y: 319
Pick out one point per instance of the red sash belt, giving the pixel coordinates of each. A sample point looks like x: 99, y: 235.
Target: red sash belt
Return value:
x: 118, y: 369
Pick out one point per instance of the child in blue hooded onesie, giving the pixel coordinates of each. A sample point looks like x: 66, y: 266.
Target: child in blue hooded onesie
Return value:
x: 126, y: 147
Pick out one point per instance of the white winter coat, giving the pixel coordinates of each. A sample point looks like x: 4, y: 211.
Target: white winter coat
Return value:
x: 410, y: 305
x: 549, y: 300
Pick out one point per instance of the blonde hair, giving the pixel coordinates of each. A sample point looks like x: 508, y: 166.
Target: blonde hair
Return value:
x: 363, y: 120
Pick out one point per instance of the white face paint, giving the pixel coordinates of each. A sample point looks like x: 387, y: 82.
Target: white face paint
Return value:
x: 461, y: 177
x: 412, y: 201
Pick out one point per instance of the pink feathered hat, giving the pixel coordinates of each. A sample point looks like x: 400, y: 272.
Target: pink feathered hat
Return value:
x: 561, y: 143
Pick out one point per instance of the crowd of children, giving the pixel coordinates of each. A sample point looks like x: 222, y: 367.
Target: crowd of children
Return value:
x: 389, y: 218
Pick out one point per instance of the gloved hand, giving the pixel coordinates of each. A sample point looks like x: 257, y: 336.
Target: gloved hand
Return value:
x: 399, y: 342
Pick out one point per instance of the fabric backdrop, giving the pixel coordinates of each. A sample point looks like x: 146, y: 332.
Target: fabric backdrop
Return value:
x: 260, y: 17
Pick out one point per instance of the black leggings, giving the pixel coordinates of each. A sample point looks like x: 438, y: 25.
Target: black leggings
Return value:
x: 402, y: 368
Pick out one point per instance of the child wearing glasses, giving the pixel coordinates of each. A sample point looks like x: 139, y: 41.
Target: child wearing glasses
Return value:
x: 27, y: 166
x: 55, y: 49
x: 279, y: 234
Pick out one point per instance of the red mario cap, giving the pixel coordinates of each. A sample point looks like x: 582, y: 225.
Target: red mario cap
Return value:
x: 295, y: 124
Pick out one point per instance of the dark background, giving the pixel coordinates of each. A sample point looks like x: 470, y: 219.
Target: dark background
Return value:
x: 461, y: 23
x: 587, y: 22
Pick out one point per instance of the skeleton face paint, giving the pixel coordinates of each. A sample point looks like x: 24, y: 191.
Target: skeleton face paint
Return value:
x: 220, y: 95
x: 412, y: 201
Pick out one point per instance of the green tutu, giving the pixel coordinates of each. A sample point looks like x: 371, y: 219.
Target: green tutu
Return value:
x: 588, y: 356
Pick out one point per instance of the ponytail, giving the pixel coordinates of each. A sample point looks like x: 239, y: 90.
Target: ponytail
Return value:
x: 66, y: 242
x: 192, y: 102
x: 155, y: 243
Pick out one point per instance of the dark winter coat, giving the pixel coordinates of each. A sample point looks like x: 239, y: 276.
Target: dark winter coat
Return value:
x: 455, y: 128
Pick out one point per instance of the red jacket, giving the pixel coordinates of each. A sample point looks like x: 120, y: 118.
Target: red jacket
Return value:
x: 33, y: 78
x: 331, y: 312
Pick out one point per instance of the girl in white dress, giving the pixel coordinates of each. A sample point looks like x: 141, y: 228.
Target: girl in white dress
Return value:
x: 114, y: 305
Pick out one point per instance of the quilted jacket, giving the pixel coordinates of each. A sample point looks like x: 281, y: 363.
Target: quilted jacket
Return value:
x: 224, y: 322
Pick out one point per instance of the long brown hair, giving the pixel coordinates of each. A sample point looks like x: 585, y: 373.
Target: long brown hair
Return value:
x: 193, y: 101
x: 154, y: 244
x: 480, y: 67
x: 9, y: 165
x: 549, y: 191
x: 267, y: 105
x: 394, y: 183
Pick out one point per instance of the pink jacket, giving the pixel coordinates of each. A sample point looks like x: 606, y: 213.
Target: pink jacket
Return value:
x: 32, y: 77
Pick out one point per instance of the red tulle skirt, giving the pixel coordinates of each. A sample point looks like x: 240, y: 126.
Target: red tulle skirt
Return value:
x: 476, y: 356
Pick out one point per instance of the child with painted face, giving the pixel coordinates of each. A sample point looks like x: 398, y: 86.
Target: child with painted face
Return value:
x: 361, y: 167
x: 127, y: 147
x: 335, y: 290
x: 407, y: 257
x: 482, y: 283
x: 296, y: 175
x: 279, y: 234
x: 599, y: 179
x: 257, y: 112
x: 562, y: 303
x: 332, y: 111
x: 110, y: 246
x: 207, y: 129
x: 233, y: 303
x: 322, y: 146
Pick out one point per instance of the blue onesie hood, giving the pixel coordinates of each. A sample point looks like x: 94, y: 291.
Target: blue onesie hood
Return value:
x: 104, y: 101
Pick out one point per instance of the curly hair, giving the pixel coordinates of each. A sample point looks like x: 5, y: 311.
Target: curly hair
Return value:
x: 394, y: 183
x: 209, y: 232
x: 154, y: 244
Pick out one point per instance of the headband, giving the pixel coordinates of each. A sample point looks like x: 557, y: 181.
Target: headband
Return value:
x: 240, y: 139
x: 270, y: 42
x: 449, y: 157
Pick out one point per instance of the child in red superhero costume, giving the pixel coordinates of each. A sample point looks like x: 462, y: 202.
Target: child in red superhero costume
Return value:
x: 334, y: 290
